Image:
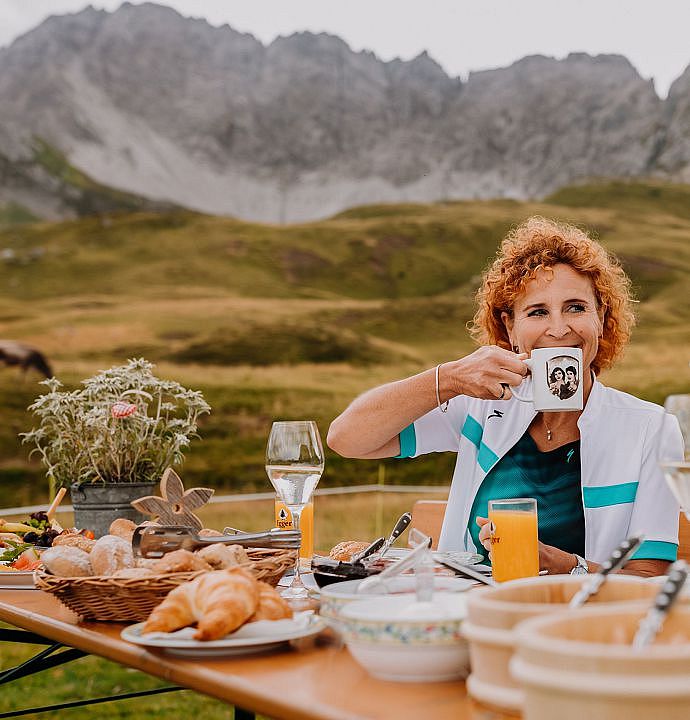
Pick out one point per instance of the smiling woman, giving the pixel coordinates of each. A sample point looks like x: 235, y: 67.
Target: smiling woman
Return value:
x: 594, y: 470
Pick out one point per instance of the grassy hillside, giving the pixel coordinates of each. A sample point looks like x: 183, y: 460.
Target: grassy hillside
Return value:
x: 279, y: 322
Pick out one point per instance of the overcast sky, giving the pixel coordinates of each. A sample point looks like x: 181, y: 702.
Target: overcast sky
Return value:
x: 462, y: 35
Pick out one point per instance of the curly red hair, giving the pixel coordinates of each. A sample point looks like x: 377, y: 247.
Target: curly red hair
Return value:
x: 539, y: 243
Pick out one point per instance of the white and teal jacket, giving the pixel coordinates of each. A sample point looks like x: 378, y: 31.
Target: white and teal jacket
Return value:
x: 622, y: 441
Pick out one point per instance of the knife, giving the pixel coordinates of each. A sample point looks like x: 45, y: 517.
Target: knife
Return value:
x: 619, y: 557
x: 466, y: 571
x: 369, y: 550
x: 403, y: 521
x: 653, y: 621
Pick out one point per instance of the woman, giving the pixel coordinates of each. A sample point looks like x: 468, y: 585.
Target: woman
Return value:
x: 571, y: 380
x: 557, y: 381
x: 595, y: 473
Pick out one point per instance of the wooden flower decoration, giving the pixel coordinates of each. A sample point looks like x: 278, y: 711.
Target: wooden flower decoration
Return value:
x: 176, y: 504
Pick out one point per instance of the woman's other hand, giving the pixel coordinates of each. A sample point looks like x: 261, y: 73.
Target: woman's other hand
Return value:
x: 485, y: 532
x: 485, y: 373
x: 551, y: 559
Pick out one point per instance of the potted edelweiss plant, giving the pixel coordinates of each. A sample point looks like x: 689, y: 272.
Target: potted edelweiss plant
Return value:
x: 111, y: 440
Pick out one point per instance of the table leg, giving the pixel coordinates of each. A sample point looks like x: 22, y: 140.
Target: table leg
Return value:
x: 50, y: 658
x: 41, y: 661
x: 92, y: 701
x: 242, y: 714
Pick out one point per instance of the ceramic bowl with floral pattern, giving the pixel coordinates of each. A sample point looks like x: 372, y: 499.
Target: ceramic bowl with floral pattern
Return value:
x: 397, y: 638
x: 337, y: 596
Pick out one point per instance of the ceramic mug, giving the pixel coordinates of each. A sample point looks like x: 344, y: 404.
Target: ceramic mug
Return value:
x: 556, y: 379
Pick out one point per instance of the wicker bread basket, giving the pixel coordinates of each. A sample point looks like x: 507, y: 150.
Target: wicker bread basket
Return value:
x: 132, y: 599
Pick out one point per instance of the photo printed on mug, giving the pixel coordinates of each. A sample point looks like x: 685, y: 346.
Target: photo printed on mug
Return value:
x: 563, y: 376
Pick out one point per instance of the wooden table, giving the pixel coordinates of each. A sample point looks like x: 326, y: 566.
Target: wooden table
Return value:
x: 317, y: 681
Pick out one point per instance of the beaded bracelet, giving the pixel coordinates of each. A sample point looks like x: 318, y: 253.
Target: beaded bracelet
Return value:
x: 443, y: 408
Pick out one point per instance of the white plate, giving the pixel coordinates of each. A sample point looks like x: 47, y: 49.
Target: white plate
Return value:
x: 16, y: 579
x: 459, y: 556
x: 250, y: 638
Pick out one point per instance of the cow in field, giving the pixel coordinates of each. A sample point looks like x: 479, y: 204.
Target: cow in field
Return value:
x: 15, y: 353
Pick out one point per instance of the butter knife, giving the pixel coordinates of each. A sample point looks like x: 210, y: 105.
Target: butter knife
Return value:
x: 466, y: 571
x: 619, y: 557
x: 403, y: 521
x: 652, y: 622
x: 369, y: 550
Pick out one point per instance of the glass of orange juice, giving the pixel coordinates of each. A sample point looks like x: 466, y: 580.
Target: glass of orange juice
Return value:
x: 514, y: 538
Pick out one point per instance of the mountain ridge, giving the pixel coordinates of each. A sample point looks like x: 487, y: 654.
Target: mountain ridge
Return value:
x: 171, y: 108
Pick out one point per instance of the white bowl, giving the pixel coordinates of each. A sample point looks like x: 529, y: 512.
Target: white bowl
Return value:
x: 396, y: 638
x: 338, y: 595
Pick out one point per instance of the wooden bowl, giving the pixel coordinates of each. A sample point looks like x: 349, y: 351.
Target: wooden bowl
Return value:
x: 493, y: 613
x: 580, y: 664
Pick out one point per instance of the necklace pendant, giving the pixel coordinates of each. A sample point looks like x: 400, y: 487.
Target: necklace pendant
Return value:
x: 548, y: 434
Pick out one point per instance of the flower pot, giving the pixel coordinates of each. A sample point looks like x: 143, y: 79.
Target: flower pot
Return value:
x: 97, y: 505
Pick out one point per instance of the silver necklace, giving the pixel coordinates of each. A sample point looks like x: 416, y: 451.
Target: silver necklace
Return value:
x: 548, y: 429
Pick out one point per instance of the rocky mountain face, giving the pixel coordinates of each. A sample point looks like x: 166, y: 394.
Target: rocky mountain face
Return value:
x: 172, y: 109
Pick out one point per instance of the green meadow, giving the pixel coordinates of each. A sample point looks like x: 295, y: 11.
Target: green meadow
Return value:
x: 294, y: 321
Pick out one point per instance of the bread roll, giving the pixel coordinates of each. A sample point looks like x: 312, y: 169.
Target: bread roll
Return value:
x: 221, y: 557
x: 66, y: 561
x: 345, y: 550
x: 135, y: 572
x: 209, y: 532
x: 148, y: 563
x: 74, y: 540
x: 124, y: 528
x: 110, y: 554
x: 180, y: 561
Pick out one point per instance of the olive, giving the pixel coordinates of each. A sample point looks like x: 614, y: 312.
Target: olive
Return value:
x: 31, y: 537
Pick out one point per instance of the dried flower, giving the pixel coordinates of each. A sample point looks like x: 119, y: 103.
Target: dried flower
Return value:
x: 81, y: 436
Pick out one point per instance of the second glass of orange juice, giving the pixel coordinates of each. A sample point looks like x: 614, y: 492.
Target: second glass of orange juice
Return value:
x: 514, y: 538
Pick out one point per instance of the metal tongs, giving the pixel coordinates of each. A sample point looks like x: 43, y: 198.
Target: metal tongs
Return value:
x: 653, y: 621
x: 154, y: 541
x: 619, y: 557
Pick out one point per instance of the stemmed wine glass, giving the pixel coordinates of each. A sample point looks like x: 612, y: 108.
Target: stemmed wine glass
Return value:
x: 294, y: 463
x: 678, y: 478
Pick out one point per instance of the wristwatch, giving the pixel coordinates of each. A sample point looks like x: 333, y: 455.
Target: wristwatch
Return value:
x: 581, y: 568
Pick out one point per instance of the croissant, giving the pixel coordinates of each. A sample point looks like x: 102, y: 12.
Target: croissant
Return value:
x: 271, y: 605
x: 218, y: 601
x: 174, y: 612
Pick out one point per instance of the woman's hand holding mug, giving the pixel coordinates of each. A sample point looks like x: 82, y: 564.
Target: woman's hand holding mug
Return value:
x: 485, y: 373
